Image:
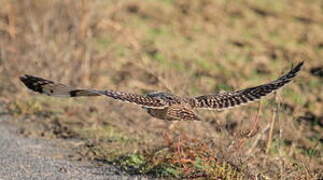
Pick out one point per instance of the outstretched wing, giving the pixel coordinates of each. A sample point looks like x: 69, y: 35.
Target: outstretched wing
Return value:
x: 51, y: 88
x: 232, y: 99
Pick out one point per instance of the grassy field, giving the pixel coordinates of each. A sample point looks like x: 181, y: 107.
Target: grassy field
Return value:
x: 187, y: 47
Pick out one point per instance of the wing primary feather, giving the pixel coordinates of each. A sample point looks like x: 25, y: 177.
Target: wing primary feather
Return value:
x: 232, y: 99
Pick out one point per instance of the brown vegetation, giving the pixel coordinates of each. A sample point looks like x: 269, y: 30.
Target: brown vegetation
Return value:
x: 185, y: 46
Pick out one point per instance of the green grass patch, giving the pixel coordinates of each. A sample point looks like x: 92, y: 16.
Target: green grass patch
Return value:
x: 165, y: 63
x: 106, y: 133
x: 293, y: 96
x: 223, y: 87
x: 22, y: 107
x: 205, y: 64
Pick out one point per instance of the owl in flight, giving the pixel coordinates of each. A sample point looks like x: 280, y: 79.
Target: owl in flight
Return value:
x: 164, y: 105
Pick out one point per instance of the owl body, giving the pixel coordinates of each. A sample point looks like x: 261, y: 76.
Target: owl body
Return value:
x: 177, y: 108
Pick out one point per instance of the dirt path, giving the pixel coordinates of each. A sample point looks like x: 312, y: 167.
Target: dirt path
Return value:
x: 28, y: 158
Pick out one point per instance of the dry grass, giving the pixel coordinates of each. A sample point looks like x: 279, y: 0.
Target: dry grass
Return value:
x: 184, y: 46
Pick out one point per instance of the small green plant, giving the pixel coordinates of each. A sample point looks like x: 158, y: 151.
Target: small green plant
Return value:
x: 132, y: 163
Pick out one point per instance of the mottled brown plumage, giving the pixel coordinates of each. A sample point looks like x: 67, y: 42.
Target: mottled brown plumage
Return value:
x: 165, y: 105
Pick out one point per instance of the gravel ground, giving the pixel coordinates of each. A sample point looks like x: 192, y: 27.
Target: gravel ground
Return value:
x: 31, y: 158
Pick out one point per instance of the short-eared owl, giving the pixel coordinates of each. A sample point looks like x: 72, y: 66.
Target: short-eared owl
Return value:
x: 165, y: 105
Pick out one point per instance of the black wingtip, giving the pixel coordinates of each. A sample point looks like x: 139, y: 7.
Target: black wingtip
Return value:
x: 32, y: 82
x: 299, y: 66
x: 292, y: 73
x: 26, y: 79
x: 296, y: 69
